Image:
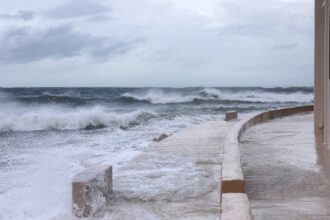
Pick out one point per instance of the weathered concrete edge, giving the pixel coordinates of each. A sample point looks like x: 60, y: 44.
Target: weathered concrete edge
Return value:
x: 90, y: 189
x: 232, y: 180
x: 235, y: 207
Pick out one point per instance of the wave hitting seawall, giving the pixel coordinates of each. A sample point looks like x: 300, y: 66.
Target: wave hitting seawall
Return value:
x: 70, y: 129
x: 90, y: 108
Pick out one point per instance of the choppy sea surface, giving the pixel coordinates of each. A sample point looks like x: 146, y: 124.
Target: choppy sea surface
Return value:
x: 49, y: 134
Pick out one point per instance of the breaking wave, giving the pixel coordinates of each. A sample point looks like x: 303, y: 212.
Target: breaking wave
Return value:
x: 56, y: 118
x: 157, y: 96
x: 63, y: 109
x: 83, y: 97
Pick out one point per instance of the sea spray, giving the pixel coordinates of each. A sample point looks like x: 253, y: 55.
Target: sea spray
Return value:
x: 157, y: 96
x: 57, y: 118
x: 162, y: 177
x: 47, y: 135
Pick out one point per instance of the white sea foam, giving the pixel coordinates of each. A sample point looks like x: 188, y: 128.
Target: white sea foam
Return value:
x: 266, y: 97
x: 136, y: 211
x: 156, y: 96
x: 157, y: 179
x: 59, y: 118
x: 40, y: 166
x: 37, y: 185
x: 163, y: 177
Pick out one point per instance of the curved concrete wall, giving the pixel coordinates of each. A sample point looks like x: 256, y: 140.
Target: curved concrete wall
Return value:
x: 273, y: 114
x: 232, y: 175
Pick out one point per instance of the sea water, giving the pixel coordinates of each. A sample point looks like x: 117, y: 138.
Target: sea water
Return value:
x: 47, y: 135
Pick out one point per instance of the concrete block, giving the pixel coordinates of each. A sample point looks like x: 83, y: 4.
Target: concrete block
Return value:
x: 232, y: 186
x: 90, y: 190
x: 235, y: 206
x: 161, y: 137
x: 232, y: 115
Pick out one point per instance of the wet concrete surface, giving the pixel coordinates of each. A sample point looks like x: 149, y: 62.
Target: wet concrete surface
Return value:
x: 177, y: 178
x: 284, y: 170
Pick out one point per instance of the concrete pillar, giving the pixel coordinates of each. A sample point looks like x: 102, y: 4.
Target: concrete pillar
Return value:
x: 319, y: 66
x: 90, y: 190
x: 326, y: 84
x: 231, y: 115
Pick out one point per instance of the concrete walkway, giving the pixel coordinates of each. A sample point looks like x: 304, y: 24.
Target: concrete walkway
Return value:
x: 284, y: 176
x: 177, y: 178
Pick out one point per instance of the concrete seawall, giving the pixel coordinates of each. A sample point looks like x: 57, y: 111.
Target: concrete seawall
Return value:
x: 178, y: 178
x: 284, y: 175
x: 232, y: 173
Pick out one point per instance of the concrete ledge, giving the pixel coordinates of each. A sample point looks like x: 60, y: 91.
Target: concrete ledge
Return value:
x: 232, y: 180
x: 232, y: 115
x: 235, y: 206
x: 273, y: 114
x: 90, y: 189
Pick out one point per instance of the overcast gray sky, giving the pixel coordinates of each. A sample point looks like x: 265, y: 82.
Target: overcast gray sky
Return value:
x: 156, y: 43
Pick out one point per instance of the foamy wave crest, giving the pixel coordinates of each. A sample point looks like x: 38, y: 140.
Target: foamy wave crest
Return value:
x: 55, y: 118
x: 211, y: 93
x: 157, y: 96
x: 269, y: 97
x: 255, y: 96
x: 149, y: 179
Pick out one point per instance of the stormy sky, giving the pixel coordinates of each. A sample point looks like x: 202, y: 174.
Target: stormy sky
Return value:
x: 172, y: 43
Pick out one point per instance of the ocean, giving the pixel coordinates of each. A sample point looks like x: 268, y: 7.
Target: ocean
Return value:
x: 47, y: 135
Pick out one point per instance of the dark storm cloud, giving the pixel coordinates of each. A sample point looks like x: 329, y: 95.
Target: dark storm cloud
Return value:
x: 20, y: 15
x: 23, y: 45
x: 285, y: 47
x: 77, y: 8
